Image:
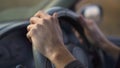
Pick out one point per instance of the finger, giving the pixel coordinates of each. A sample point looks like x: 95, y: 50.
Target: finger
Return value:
x: 85, y: 23
x: 32, y: 32
x: 55, y: 16
x: 34, y: 20
x: 29, y: 27
x: 82, y: 21
x: 29, y: 36
x: 41, y: 14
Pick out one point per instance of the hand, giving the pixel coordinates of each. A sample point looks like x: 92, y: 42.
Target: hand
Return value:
x: 46, y: 36
x: 44, y: 32
x: 95, y: 35
x: 92, y: 31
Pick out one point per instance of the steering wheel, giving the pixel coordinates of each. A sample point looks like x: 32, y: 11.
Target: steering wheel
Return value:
x: 68, y: 20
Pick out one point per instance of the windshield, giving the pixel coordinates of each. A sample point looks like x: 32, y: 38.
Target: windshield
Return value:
x: 20, y: 9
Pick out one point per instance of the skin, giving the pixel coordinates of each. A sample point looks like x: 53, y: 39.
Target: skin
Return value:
x: 46, y: 36
x: 95, y: 36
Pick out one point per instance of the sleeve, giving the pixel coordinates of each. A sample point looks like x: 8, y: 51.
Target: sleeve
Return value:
x: 118, y: 63
x: 75, y: 64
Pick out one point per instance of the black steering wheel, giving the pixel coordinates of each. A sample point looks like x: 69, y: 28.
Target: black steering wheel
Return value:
x: 69, y: 20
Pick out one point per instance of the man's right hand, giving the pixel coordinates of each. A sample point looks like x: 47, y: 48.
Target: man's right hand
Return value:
x: 46, y: 36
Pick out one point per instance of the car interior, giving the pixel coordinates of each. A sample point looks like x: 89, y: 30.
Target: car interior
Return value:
x: 17, y: 52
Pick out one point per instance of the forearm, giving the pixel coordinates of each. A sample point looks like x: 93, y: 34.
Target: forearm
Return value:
x: 110, y: 48
x: 105, y: 44
x: 61, y: 57
x: 95, y: 36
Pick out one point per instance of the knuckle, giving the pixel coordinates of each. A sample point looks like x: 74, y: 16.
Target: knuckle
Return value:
x: 32, y: 19
x: 28, y: 28
x: 32, y: 31
x: 50, y: 17
x: 43, y: 19
x: 28, y: 35
x: 38, y: 25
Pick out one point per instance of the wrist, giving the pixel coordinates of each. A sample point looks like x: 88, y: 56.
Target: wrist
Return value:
x: 102, y: 42
x: 61, y: 57
x: 110, y: 48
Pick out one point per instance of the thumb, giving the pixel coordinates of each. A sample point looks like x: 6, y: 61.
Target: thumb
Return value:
x: 82, y: 21
x: 85, y: 23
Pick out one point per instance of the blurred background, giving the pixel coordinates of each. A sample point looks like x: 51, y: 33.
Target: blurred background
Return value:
x: 111, y: 21
x: 26, y: 8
